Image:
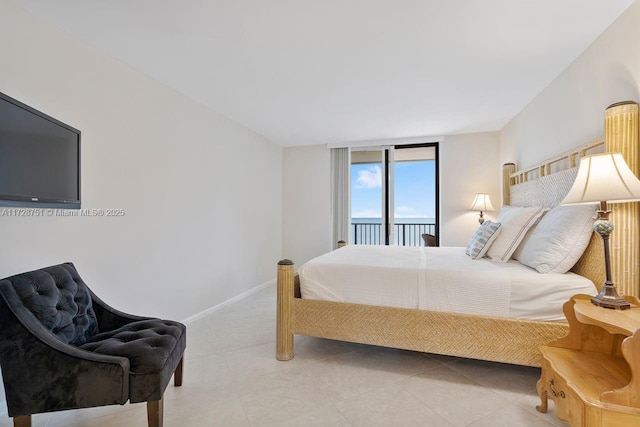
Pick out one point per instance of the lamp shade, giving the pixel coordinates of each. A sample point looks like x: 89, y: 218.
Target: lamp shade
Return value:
x: 603, y: 177
x: 481, y: 203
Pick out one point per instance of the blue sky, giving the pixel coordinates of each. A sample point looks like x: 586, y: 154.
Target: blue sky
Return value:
x: 414, y: 190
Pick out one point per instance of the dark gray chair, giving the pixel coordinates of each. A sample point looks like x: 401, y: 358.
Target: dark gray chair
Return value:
x: 61, y: 347
x: 429, y: 239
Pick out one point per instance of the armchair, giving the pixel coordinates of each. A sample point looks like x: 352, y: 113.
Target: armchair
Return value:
x: 429, y: 239
x: 61, y: 347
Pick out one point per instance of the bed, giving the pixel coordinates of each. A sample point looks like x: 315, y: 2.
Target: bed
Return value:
x: 477, y: 336
x: 440, y: 279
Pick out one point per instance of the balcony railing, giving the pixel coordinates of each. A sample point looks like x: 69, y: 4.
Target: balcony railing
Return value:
x: 404, y: 234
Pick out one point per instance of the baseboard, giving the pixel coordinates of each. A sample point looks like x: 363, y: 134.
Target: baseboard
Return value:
x: 237, y: 298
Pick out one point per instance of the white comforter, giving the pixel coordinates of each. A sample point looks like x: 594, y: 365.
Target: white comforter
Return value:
x: 438, y: 279
x: 459, y: 284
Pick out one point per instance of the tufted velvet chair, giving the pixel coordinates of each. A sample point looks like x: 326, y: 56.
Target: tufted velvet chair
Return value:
x: 61, y: 347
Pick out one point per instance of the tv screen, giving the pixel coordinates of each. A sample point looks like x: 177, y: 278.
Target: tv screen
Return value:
x: 39, y: 158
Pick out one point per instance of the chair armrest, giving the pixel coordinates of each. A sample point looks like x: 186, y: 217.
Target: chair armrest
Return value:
x: 35, y: 363
x: 108, y: 317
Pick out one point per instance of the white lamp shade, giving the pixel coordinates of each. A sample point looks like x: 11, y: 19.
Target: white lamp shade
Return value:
x: 603, y: 177
x: 481, y: 203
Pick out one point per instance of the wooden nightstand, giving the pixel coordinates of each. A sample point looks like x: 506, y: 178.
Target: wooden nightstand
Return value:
x: 593, y: 374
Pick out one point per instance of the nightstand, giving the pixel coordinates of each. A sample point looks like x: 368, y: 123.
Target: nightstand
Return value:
x: 593, y: 374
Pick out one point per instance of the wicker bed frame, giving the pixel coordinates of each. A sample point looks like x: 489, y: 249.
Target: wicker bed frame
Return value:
x: 479, y: 337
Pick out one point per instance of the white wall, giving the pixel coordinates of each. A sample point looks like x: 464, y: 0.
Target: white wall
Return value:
x: 570, y: 111
x: 202, y: 195
x: 307, y: 203
x: 468, y: 164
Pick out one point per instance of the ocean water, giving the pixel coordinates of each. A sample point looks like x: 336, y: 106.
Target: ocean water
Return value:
x: 396, y: 220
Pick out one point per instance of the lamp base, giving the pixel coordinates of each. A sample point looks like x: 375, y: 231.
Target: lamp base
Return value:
x: 609, y: 298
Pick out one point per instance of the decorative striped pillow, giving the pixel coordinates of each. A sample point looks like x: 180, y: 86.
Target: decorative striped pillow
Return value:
x: 482, y: 239
x: 516, y: 221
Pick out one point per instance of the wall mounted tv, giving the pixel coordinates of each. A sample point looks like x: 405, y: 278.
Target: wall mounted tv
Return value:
x: 39, y: 159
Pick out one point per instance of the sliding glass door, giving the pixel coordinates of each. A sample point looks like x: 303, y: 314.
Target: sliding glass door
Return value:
x: 415, y: 194
x: 394, y: 194
x: 368, y: 211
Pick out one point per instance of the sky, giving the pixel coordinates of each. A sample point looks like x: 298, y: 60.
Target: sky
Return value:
x: 414, y: 190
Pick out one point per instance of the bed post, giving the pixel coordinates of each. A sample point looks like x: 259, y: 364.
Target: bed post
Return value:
x: 284, y: 335
x: 621, y: 135
x: 507, y: 170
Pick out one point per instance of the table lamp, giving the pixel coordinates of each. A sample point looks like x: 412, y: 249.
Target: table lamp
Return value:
x: 604, y: 178
x: 481, y: 203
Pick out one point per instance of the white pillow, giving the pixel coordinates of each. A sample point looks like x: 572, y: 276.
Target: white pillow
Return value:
x: 559, y: 239
x: 515, y: 222
x: 482, y: 239
x: 518, y: 252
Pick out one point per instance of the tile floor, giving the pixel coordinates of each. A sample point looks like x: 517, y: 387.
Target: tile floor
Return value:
x: 232, y: 378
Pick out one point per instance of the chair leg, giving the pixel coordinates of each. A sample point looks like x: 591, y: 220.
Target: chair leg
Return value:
x: 154, y: 413
x: 177, y: 375
x: 22, y: 421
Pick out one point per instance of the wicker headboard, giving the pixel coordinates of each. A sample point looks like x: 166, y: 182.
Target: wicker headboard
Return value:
x: 545, y: 185
x: 621, y: 123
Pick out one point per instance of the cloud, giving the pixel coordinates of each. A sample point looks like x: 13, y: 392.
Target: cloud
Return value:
x: 405, y: 209
x: 369, y: 178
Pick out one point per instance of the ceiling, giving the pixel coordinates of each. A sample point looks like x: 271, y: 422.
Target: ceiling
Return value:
x: 305, y: 72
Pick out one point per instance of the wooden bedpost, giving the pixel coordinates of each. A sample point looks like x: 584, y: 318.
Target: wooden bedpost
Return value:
x: 284, y: 334
x: 507, y: 170
x: 621, y: 135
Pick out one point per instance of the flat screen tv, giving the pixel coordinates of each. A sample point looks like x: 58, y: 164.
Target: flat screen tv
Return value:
x: 39, y: 158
